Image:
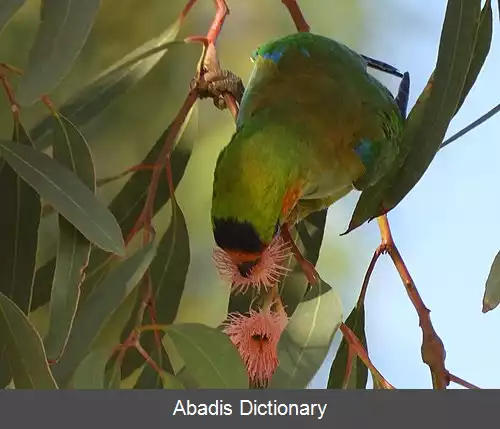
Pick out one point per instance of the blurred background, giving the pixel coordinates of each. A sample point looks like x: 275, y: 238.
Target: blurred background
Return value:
x: 447, y: 228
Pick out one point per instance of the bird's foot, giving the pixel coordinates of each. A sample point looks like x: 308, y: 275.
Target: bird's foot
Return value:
x: 215, y: 84
x: 307, y: 268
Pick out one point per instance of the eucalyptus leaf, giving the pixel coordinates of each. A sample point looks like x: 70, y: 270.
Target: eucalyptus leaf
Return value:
x: 126, y: 206
x: 211, y: 359
x: 24, y: 348
x: 88, y: 103
x: 456, y: 50
x: 305, y: 342
x: 8, y: 9
x: 73, y: 250
x: 67, y: 194
x: 62, y: 33
x: 491, y: 297
x: 19, y: 223
x: 359, y: 372
x: 93, y: 313
x: 90, y: 373
x: 459, y: 61
x: 168, y: 273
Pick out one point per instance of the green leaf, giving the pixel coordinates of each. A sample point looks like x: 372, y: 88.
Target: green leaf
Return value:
x: 113, y: 379
x: 429, y: 119
x: 8, y: 8
x: 305, y: 342
x: 73, y: 251
x: 482, y: 46
x: 63, y: 30
x: 171, y: 382
x: 168, y: 275
x: 491, y: 297
x: 210, y: 357
x: 27, y: 357
x: 308, y: 238
x: 359, y: 372
x: 455, y: 54
x: 67, y: 194
x: 126, y: 206
x: 19, y: 222
x: 94, y: 312
x: 90, y: 373
x: 93, y: 99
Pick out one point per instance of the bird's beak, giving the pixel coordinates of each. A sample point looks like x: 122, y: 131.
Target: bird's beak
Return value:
x: 245, y: 268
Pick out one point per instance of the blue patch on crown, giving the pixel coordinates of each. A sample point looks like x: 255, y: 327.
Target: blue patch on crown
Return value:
x: 274, y: 56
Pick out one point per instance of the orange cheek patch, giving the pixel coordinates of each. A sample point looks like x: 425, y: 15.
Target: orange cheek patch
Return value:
x: 241, y: 257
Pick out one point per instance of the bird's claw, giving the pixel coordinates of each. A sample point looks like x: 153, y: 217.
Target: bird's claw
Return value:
x: 215, y: 84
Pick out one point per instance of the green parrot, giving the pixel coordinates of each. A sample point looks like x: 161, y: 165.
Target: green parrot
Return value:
x: 313, y: 125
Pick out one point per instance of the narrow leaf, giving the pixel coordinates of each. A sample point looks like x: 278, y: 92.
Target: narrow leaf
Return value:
x: 67, y: 194
x: 171, y: 382
x: 126, y: 206
x: 64, y: 28
x: 90, y: 373
x: 210, y: 357
x: 98, y: 308
x: 93, y: 99
x: 19, y: 222
x: 430, y: 117
x: 8, y: 9
x: 359, y: 372
x: 73, y: 251
x: 481, y: 50
x: 491, y: 297
x: 305, y: 343
x: 456, y: 49
x: 25, y: 351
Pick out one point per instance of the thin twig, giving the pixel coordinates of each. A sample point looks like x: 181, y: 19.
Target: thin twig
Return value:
x: 461, y: 382
x: 297, y: 15
x: 163, y: 161
x: 471, y: 126
x: 368, y: 275
x: 433, y: 352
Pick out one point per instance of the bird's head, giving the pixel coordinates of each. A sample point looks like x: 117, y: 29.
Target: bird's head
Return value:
x: 244, y: 259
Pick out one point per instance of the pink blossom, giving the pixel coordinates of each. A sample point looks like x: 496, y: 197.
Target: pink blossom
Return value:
x: 256, y: 336
x: 267, y: 272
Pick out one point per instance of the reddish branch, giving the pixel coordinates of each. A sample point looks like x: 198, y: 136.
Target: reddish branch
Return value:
x: 297, y: 16
x: 433, y: 352
x: 163, y: 161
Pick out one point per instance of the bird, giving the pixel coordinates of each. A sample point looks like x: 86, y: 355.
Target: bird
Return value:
x: 313, y: 125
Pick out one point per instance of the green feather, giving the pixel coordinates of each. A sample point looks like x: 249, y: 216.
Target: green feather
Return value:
x: 311, y: 114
